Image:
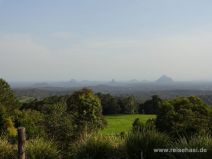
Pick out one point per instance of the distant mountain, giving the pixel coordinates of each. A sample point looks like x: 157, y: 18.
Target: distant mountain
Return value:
x: 165, y: 79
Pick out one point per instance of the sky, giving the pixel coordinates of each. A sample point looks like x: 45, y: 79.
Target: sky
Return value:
x: 59, y: 40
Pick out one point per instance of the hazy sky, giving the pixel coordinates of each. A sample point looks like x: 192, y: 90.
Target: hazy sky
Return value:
x: 103, y: 39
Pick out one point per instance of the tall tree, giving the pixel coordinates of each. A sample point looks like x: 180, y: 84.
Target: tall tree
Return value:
x: 7, y: 98
x: 109, y: 104
x: 8, y: 103
x: 128, y: 105
x: 150, y: 106
x: 85, y: 107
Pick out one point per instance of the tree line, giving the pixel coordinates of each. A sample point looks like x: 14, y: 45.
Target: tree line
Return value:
x: 110, y: 104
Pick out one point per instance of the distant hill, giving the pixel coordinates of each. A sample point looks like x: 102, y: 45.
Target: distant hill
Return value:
x: 165, y: 79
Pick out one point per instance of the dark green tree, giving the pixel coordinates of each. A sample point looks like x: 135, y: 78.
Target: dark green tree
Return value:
x: 109, y: 104
x: 183, y: 116
x: 59, y: 125
x: 128, y: 105
x: 2, y: 117
x: 150, y: 106
x: 137, y: 125
x: 7, y: 98
x: 32, y: 120
x: 8, y: 103
x: 86, y: 110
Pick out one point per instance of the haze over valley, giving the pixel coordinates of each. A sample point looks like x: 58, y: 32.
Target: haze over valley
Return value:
x: 164, y: 86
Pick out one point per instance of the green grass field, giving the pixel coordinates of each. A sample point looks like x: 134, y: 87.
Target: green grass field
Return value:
x: 120, y: 123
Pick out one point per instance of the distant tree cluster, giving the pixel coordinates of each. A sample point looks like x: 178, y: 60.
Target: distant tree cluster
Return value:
x: 128, y: 105
x: 183, y: 116
x: 150, y: 106
x: 118, y: 105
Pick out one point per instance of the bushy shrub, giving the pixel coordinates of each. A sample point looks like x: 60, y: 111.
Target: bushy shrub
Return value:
x: 7, y: 151
x: 150, y: 106
x: 41, y: 149
x: 183, y: 116
x: 7, y: 97
x: 11, y: 130
x: 144, y: 142
x: 137, y: 125
x: 198, y: 143
x: 150, y: 124
x: 59, y: 125
x: 99, y: 147
x: 32, y: 120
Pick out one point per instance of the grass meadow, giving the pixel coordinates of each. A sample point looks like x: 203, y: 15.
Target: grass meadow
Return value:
x: 122, y: 123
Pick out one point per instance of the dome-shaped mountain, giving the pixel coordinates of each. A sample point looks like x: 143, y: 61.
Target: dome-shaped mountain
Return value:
x: 165, y: 79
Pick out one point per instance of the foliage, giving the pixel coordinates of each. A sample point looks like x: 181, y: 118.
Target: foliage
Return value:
x: 59, y: 124
x: 101, y: 147
x: 118, y: 105
x: 9, y: 126
x: 210, y: 121
x: 8, y: 103
x: 150, y: 123
x: 128, y: 105
x: 145, y: 142
x: 7, y: 98
x: 198, y: 143
x: 150, y: 106
x: 42, y: 149
x: 43, y: 105
x: 85, y: 108
x: 137, y: 125
x: 32, y: 120
x: 109, y: 104
x: 2, y: 117
x: 69, y: 121
x: 7, y: 151
x: 183, y: 116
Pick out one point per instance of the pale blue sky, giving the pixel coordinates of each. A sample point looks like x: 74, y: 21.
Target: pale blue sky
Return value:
x: 103, y: 39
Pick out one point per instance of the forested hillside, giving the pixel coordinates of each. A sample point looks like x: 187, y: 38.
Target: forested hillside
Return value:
x: 140, y: 95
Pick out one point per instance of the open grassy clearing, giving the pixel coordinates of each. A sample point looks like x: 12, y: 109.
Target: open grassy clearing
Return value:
x: 122, y: 123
